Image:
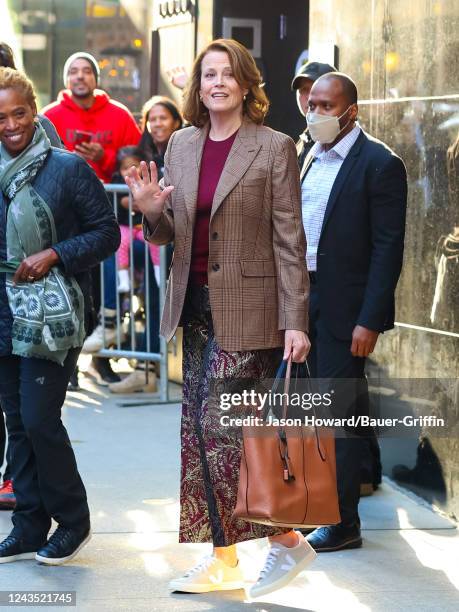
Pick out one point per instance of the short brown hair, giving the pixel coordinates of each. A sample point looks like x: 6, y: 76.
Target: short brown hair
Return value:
x: 245, y: 72
x: 13, y: 79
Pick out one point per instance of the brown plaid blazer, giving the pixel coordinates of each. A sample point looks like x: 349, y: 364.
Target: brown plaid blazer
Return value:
x: 258, y: 281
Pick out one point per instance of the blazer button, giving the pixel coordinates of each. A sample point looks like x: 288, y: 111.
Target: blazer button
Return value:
x: 215, y: 236
x: 215, y: 267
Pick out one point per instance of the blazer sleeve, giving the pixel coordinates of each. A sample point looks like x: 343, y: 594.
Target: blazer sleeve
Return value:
x: 289, y: 240
x: 163, y: 231
x: 388, y: 198
x: 99, y: 233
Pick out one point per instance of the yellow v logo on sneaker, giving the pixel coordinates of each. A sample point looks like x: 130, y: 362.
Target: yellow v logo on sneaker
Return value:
x: 218, y: 579
x: 288, y: 564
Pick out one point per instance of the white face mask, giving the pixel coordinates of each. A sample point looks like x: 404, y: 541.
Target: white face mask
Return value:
x: 323, y: 128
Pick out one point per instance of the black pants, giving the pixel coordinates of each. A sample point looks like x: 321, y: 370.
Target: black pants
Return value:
x: 331, y: 358
x: 46, y: 480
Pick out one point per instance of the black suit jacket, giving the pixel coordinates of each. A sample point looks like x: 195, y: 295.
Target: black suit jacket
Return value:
x: 360, y: 252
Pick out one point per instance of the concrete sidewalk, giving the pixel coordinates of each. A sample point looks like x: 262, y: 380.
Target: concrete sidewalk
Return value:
x: 129, y: 459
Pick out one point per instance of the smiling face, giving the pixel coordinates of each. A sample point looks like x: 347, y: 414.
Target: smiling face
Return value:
x: 161, y: 124
x: 81, y: 79
x: 17, y: 125
x: 220, y: 92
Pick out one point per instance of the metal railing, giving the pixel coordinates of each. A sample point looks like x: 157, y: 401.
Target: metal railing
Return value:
x: 131, y: 352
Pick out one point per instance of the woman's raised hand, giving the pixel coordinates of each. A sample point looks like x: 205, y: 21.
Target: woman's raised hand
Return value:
x: 147, y: 196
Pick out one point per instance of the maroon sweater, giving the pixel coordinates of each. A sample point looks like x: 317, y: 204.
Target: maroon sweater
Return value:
x: 213, y: 159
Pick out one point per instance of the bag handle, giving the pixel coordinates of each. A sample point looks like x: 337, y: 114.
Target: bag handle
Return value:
x: 286, y: 366
x: 321, y: 453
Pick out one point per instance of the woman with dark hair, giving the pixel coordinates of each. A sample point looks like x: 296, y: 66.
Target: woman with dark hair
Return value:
x: 160, y: 119
x: 55, y: 224
x: 230, y: 200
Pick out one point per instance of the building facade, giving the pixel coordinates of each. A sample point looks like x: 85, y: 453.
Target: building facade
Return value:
x: 43, y: 33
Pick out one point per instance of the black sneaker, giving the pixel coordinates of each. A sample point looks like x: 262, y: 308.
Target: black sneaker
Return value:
x: 14, y: 548
x: 63, y: 545
x: 102, y: 371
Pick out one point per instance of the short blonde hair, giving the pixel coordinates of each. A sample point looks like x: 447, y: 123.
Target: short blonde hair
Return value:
x: 245, y: 72
x: 13, y: 79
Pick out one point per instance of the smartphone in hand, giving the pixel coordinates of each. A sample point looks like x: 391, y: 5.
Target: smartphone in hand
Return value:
x: 81, y: 137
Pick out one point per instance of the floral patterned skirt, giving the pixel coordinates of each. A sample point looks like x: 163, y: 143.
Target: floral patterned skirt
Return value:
x: 210, y: 452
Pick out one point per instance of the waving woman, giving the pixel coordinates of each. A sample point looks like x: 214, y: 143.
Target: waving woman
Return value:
x: 238, y: 285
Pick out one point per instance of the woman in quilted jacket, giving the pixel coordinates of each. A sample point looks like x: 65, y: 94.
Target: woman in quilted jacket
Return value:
x: 55, y: 224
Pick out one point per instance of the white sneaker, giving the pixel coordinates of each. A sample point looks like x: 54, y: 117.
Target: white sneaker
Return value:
x: 282, y: 565
x: 95, y: 342
x: 211, y: 574
x: 135, y: 381
x: 124, y: 282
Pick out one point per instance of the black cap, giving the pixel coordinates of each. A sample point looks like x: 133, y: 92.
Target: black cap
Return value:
x: 312, y: 71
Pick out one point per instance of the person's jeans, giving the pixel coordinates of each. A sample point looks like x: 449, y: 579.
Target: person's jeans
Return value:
x: 110, y: 284
x: 43, y: 466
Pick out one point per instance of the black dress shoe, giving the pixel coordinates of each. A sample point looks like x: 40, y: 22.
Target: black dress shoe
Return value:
x: 63, y: 545
x: 14, y: 548
x: 103, y: 371
x: 334, y: 537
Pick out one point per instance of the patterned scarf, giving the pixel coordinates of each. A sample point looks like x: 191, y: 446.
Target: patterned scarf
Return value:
x: 48, y: 314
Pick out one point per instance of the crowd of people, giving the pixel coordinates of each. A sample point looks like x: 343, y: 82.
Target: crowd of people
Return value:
x: 280, y: 252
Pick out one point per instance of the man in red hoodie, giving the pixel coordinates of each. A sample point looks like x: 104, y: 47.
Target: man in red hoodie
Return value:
x: 87, y: 120
x: 95, y: 127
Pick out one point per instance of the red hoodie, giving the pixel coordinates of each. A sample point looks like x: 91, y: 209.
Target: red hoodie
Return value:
x: 110, y: 122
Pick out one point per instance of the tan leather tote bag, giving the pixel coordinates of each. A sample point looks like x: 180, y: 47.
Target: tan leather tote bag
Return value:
x: 288, y: 474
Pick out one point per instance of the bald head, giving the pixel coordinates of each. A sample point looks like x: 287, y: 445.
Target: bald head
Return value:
x: 343, y: 82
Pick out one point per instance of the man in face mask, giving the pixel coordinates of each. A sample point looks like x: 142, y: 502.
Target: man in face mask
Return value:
x: 354, y: 191
x: 302, y: 84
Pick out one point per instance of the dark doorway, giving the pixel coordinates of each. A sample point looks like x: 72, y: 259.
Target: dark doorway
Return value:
x: 284, y: 35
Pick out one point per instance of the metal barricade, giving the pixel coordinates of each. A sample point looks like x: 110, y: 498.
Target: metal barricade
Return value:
x: 119, y: 191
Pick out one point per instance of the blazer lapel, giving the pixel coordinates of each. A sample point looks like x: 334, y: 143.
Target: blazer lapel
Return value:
x: 240, y: 158
x: 342, y: 175
x: 192, y: 156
